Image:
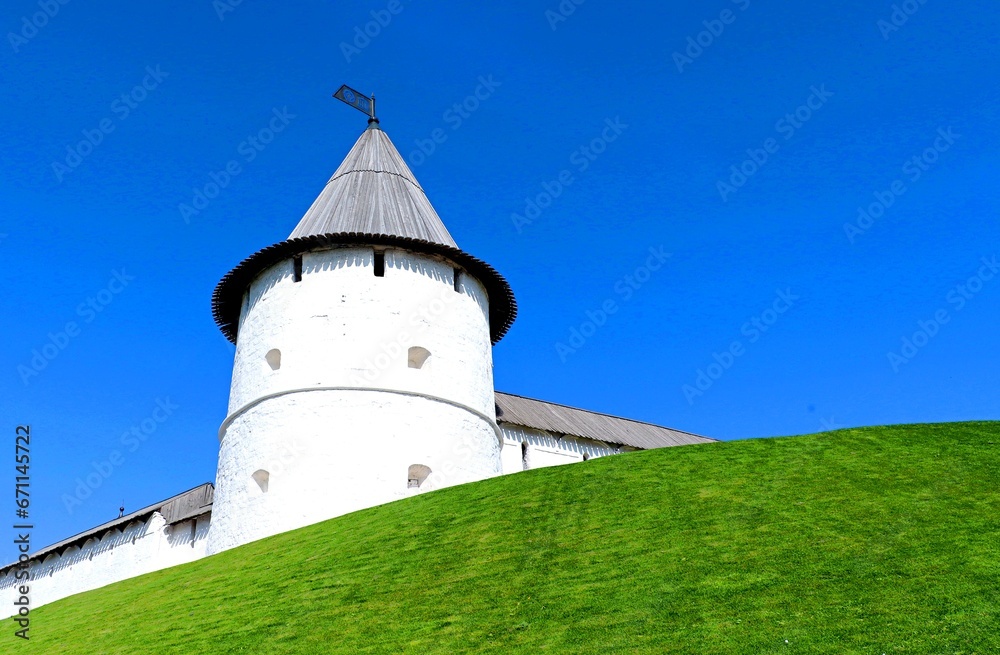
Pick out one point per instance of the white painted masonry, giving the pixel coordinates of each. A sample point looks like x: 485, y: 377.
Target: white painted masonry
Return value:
x: 526, y: 448
x: 337, y: 424
x: 140, y: 547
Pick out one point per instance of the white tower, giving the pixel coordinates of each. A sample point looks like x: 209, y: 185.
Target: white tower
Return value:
x: 363, y: 369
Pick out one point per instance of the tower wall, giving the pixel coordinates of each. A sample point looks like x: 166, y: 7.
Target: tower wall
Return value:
x: 331, y: 411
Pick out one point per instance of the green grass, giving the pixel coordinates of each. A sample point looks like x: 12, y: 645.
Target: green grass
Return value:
x: 875, y: 540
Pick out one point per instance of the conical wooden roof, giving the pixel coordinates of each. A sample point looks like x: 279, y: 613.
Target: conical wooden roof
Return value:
x: 373, y: 199
x: 374, y: 192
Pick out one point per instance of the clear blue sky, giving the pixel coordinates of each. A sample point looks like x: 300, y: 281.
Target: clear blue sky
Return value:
x: 879, y: 97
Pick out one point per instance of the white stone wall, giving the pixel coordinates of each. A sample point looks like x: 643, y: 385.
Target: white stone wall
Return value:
x: 336, y: 425
x: 141, y: 547
x: 344, y: 451
x: 545, y: 449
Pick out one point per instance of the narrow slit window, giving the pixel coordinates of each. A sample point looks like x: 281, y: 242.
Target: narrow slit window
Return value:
x: 524, y: 455
x: 379, y: 264
x: 458, y: 280
x: 297, y: 269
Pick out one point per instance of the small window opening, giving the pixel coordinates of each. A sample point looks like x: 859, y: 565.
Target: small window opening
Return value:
x: 261, y: 477
x: 458, y: 280
x: 416, y: 475
x: 586, y: 456
x: 273, y: 358
x: 417, y: 357
x: 297, y: 269
x: 194, y: 531
x: 379, y: 263
x: 524, y: 455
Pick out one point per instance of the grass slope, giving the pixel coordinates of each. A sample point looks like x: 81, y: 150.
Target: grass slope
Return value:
x: 875, y: 540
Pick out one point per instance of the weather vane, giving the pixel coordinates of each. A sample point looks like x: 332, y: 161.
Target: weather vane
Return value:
x: 358, y: 100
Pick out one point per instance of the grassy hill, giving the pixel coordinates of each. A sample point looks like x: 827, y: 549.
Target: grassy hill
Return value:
x: 875, y: 540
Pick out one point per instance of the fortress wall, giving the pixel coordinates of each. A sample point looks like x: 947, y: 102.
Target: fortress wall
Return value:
x: 118, y: 554
x: 545, y: 449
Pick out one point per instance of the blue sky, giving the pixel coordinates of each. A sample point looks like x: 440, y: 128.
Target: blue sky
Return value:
x: 741, y: 138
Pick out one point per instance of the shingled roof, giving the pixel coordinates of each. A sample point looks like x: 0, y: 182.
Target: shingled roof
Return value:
x: 373, y: 199
x: 183, y: 506
x: 561, y: 419
x: 374, y: 192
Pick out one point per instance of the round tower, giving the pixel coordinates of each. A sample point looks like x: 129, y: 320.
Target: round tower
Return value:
x: 363, y: 369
